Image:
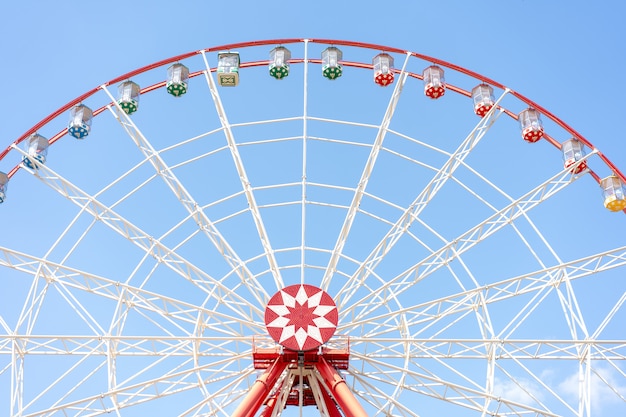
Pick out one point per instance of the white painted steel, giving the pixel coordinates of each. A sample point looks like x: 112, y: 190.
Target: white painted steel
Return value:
x: 472, y: 273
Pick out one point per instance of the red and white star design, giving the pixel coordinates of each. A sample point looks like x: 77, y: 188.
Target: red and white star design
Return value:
x: 301, y: 317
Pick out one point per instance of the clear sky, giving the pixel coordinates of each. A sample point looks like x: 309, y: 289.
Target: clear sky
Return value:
x: 567, y: 56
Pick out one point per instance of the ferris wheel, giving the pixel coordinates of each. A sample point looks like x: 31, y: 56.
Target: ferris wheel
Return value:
x: 310, y: 227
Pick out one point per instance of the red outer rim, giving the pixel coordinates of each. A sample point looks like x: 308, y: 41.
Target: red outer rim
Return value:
x: 286, y: 41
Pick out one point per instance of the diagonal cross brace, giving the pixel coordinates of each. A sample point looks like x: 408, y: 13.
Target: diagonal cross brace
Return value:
x: 421, y: 201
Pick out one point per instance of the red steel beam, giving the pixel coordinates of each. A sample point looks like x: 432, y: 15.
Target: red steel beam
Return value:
x: 331, y: 406
x: 270, y: 405
x: 339, y: 389
x: 260, y: 390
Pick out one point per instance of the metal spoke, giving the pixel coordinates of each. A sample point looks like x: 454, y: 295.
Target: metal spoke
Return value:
x: 167, y: 307
x: 421, y: 314
x: 147, y: 243
x: 365, y: 175
x: 245, y: 182
x: 415, y: 208
x: 454, y: 248
x: 435, y: 387
x: 138, y: 393
x: 192, y: 207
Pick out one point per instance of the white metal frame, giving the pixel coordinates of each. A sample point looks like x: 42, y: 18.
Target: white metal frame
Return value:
x: 392, y: 344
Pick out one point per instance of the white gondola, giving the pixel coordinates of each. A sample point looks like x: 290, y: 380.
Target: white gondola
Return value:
x: 4, y: 184
x: 531, y: 125
x: 483, y: 98
x: 228, y: 69
x: 434, y: 82
x: 80, y: 121
x: 279, y: 62
x: 614, y: 193
x: 128, y: 96
x: 383, y: 69
x: 177, y: 79
x: 331, y: 68
x: 36, y: 151
x: 573, y: 151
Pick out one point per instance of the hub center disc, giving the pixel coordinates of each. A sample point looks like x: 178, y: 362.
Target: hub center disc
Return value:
x: 301, y: 317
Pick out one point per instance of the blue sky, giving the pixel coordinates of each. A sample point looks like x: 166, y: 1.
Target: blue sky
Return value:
x: 569, y: 57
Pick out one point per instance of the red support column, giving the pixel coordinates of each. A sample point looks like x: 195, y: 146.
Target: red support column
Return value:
x: 260, y: 390
x: 271, y: 402
x: 339, y: 389
x: 331, y: 406
x: 269, y: 407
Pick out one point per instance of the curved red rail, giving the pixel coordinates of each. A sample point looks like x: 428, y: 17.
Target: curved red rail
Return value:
x: 286, y: 41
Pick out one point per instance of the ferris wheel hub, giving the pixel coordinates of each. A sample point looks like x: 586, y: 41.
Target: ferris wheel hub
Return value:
x: 301, y: 317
